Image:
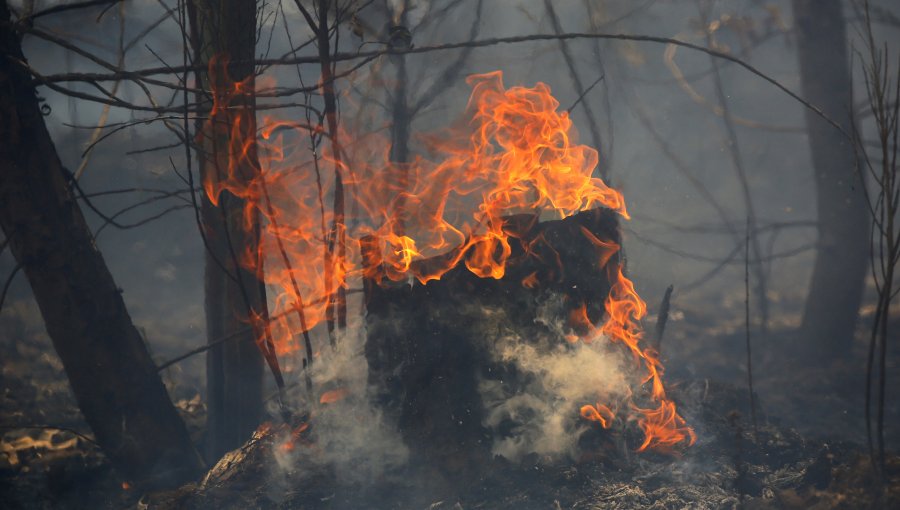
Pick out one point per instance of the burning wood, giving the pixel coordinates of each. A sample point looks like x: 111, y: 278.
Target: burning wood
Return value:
x: 511, y: 152
x: 448, y: 315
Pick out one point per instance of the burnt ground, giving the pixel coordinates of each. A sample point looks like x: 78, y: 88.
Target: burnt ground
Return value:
x: 731, y: 466
x: 807, y: 452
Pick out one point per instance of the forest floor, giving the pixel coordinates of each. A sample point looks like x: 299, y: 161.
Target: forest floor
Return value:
x: 807, y: 453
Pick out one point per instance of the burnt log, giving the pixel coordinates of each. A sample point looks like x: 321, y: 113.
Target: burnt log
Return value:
x: 429, y: 346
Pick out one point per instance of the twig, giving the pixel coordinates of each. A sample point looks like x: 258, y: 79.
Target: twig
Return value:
x: 663, y: 317
x: 315, y: 135
x: 579, y: 87
x: 445, y: 79
x: 56, y: 9
x: 734, y: 150
x: 141, y: 222
x: 598, y: 54
x: 234, y: 334
x: 494, y: 41
x: 747, y: 327
x: 684, y: 169
x: 104, y: 115
x: 8, y: 283
x: 707, y: 258
x: 335, y: 247
x: 147, y: 201
x: 883, y: 94
x: 698, y: 98
x: 584, y: 93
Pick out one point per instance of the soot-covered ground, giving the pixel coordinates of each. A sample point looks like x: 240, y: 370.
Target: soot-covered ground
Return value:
x: 49, y: 461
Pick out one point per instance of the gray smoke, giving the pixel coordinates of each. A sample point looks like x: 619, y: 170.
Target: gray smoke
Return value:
x: 350, y: 436
x: 559, y: 378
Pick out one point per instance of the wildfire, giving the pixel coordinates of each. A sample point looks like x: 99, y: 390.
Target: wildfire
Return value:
x: 512, y: 152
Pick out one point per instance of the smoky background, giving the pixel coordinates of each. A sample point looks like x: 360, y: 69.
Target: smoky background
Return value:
x: 659, y: 137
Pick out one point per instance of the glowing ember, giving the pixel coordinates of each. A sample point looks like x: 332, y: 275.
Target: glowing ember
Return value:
x: 512, y: 152
x: 296, y: 436
x: 332, y: 396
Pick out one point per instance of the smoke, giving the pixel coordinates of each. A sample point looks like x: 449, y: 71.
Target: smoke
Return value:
x: 540, y: 414
x: 349, y: 436
x: 534, y: 412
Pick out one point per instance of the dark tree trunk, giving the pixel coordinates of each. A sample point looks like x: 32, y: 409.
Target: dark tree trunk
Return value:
x: 234, y: 370
x: 429, y: 346
x: 835, y: 291
x: 336, y: 245
x: 401, y: 123
x: 112, y: 375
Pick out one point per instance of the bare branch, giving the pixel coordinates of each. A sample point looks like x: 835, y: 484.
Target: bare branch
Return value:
x: 343, y: 57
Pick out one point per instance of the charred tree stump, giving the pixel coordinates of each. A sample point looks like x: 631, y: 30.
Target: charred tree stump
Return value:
x: 111, y: 373
x: 428, y: 346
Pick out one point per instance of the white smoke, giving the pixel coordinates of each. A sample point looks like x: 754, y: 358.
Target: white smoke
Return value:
x: 350, y: 436
x: 559, y: 378
x: 537, y: 414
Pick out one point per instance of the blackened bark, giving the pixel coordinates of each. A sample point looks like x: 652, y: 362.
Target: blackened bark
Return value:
x: 112, y: 375
x: 226, y: 31
x: 835, y: 291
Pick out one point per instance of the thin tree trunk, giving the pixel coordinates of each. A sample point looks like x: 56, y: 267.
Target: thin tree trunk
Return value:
x: 835, y: 291
x: 401, y: 121
x: 336, y: 247
x: 112, y: 375
x: 223, y: 32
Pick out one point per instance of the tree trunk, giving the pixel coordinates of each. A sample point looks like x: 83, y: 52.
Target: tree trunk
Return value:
x: 225, y: 33
x: 401, y: 123
x: 835, y: 291
x: 112, y: 375
x: 336, y: 245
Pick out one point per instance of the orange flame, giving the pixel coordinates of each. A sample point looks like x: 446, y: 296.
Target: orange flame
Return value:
x: 598, y: 413
x: 512, y: 152
x: 663, y: 427
x: 295, y: 437
x: 530, y: 281
x: 332, y: 396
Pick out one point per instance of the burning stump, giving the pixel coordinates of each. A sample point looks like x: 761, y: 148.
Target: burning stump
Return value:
x: 429, y: 347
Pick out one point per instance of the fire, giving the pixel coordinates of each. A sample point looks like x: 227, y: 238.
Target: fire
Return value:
x: 512, y: 152
x: 296, y: 435
x: 663, y: 427
x: 530, y: 281
x: 598, y: 413
x: 332, y: 396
